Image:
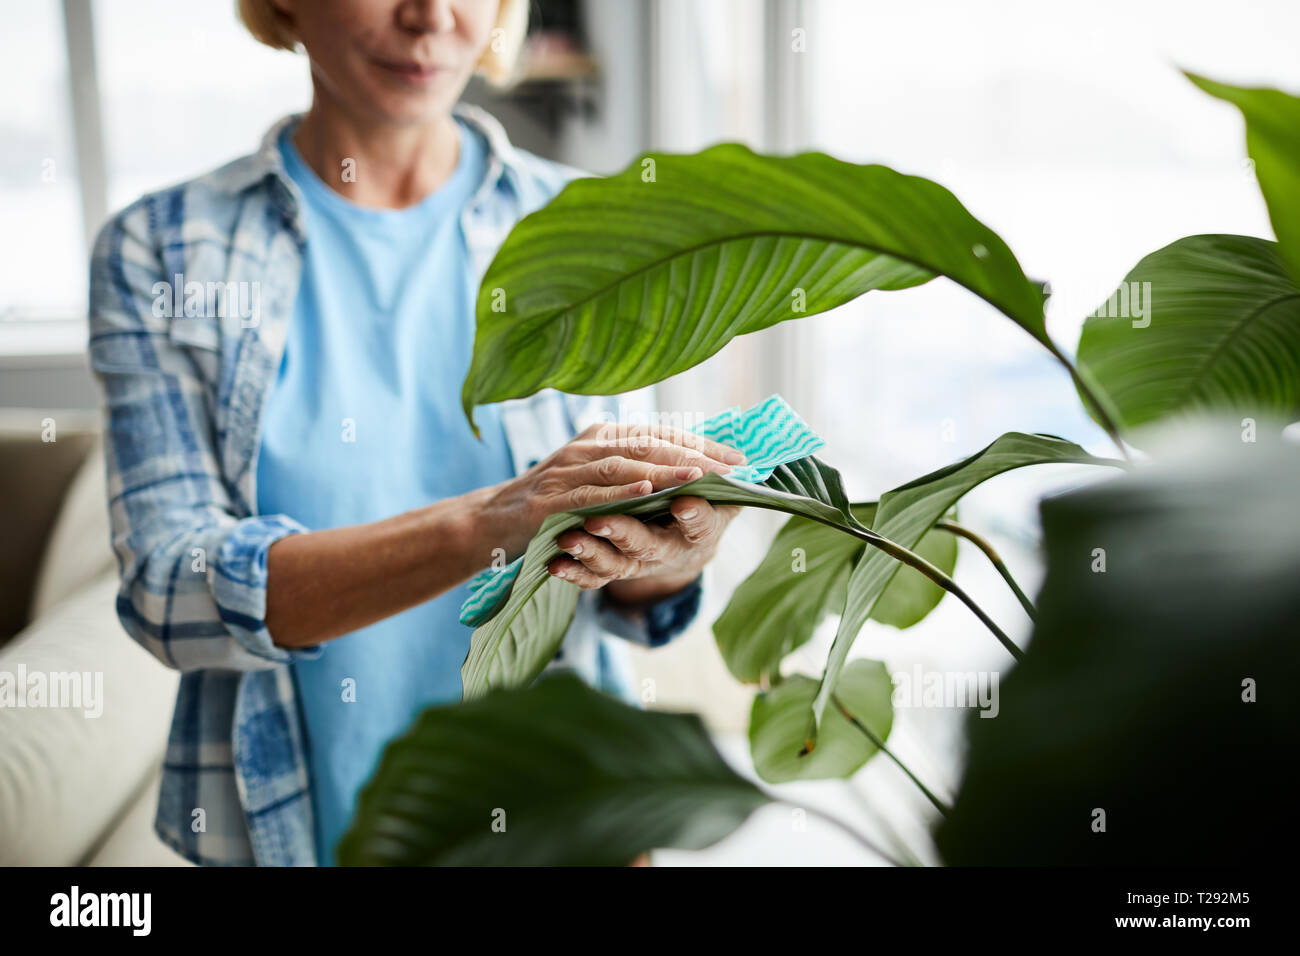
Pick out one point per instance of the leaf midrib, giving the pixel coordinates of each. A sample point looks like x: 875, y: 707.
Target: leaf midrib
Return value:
x: 741, y: 237
x: 1216, y: 354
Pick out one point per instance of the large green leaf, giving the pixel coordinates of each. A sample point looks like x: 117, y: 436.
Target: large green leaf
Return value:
x: 908, y: 512
x: 621, y: 282
x: 1273, y: 142
x: 778, y: 724
x: 513, y: 647
x: 802, y: 578
x: 557, y: 774
x: 1160, y: 690
x: 1220, y: 330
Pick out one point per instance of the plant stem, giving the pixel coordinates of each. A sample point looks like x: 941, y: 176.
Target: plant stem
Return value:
x: 880, y: 745
x: 1103, y: 416
x: 961, y: 531
x: 841, y: 825
x: 915, y: 561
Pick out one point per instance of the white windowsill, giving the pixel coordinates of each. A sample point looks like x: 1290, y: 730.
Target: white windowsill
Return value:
x: 42, y: 342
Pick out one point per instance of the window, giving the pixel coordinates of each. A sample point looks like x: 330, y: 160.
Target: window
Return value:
x: 177, y: 89
x: 39, y: 195
x: 1071, y: 135
x: 159, y: 132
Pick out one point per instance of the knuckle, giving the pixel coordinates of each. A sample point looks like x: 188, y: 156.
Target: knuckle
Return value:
x: 574, y: 451
x: 642, y: 552
x: 695, y: 533
x: 609, y: 468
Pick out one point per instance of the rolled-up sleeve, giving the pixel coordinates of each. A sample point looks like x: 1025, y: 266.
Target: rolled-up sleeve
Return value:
x: 193, y: 567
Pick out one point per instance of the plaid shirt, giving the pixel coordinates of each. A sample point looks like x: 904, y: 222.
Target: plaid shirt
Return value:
x: 184, y: 396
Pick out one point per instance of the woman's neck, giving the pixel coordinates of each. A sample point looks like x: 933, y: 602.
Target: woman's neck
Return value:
x: 376, y: 164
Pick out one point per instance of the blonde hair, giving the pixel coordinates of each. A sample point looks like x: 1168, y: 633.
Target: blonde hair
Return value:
x: 269, y: 25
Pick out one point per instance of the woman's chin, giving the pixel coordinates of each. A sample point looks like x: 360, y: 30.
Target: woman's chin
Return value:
x: 412, y: 109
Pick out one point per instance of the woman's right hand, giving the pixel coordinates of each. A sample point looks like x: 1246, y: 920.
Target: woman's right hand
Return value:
x: 604, y: 463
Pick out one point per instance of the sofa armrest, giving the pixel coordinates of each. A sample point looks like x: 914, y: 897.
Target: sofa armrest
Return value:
x: 67, y: 774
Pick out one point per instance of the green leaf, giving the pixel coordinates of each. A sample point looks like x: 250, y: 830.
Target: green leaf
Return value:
x: 619, y: 283
x: 1273, y: 142
x: 804, y: 577
x: 1222, y: 331
x: 910, y: 596
x: 908, y: 512
x: 1155, y: 690
x: 510, y: 651
x: 778, y: 725
x: 569, y: 776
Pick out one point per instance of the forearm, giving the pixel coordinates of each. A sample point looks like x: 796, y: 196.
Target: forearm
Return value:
x: 324, y: 584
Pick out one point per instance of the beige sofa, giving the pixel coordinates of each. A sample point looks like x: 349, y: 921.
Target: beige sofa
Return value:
x: 74, y: 788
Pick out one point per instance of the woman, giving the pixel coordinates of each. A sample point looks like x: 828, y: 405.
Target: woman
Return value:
x: 296, y: 497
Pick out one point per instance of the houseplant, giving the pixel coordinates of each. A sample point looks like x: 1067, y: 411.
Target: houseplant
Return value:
x: 624, y: 281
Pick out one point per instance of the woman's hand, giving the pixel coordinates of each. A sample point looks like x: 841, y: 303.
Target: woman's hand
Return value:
x: 603, y: 464
x: 637, y: 562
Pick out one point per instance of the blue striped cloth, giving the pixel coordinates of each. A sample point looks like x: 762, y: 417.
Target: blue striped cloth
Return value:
x: 769, y: 434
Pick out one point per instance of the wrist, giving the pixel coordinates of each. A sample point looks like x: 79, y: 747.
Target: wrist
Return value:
x: 638, y: 592
x: 495, y: 519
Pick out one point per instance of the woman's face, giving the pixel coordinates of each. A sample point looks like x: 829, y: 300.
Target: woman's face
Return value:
x: 398, y: 61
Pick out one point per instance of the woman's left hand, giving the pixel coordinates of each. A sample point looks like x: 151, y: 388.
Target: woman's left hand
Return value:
x: 637, y: 562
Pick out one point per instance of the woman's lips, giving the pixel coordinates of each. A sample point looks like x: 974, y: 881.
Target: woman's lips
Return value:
x: 409, y: 70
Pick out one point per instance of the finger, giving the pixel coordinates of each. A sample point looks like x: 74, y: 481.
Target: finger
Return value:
x: 587, y: 496
x: 614, y: 434
x: 571, y: 570
x: 616, y: 470
x: 598, y: 556
x: 656, y: 451
x: 634, y: 539
x: 696, y: 518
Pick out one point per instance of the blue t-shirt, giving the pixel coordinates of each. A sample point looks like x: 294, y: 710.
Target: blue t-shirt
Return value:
x: 363, y: 422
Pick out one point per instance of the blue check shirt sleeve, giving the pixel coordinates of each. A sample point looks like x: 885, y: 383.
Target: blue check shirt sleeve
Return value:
x: 657, y: 624
x: 192, y: 559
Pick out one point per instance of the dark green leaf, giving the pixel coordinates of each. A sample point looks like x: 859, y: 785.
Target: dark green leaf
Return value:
x: 557, y: 774
x: 1159, y: 687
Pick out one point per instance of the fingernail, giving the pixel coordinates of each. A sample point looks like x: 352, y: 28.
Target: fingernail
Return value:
x: 575, y: 550
x: 689, y: 474
x: 688, y: 514
x: 602, y: 530
x: 734, y: 457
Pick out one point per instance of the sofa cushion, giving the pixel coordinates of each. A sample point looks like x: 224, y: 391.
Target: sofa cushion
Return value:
x: 66, y: 777
x: 79, y: 547
x: 131, y: 840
